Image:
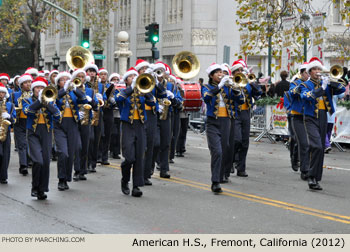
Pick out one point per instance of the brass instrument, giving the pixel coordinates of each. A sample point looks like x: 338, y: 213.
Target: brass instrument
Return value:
x: 186, y: 65
x: 49, y: 94
x: 251, y: 78
x: 335, y: 73
x: 78, y: 57
x: 297, y: 76
x: 4, y: 124
x: 86, y: 110
x: 165, y: 102
x: 24, y: 95
x: 239, y: 81
x: 96, y: 114
x: 77, y: 82
x: 145, y: 83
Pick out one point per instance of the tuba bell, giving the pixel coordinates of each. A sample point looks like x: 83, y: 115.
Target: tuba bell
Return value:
x: 49, y: 94
x: 145, y: 83
x: 251, y: 78
x: 186, y: 65
x: 78, y: 57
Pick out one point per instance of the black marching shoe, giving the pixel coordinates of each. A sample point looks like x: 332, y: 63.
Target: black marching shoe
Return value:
x: 125, y: 188
x: 295, y: 166
x: 99, y: 161
x: 313, y: 184
x: 232, y: 169
x: 76, y: 177
x: 34, y: 192
x: 164, y: 174
x: 303, y: 176
x: 224, y: 180
x: 242, y: 174
x: 148, y: 182
x: 105, y: 163
x: 82, y: 177
x: 216, y: 188
x: 3, y: 181
x: 179, y: 154
x: 41, y: 196
x: 171, y: 161
x: 136, y: 192
x: 61, y: 186
x: 23, y: 170
x: 66, y: 187
x: 116, y: 156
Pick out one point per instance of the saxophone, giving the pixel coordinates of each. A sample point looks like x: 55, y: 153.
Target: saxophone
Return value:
x: 96, y: 114
x: 24, y: 95
x: 165, y: 102
x: 86, y: 109
x: 4, y: 124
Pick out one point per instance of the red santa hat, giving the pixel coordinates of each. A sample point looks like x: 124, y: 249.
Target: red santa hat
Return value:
x: 159, y: 65
x: 242, y: 61
x: 212, y: 67
x: 46, y: 71
x: 4, y: 76
x: 130, y: 71
x: 303, y: 66
x: 91, y: 65
x: 52, y: 72
x: 4, y: 89
x: 41, y: 74
x: 315, y: 62
x: 78, y: 71
x: 16, y: 77
x: 172, y: 77
x: 113, y: 75
x: 225, y: 67
x: 141, y: 63
x: 39, y: 82
x: 32, y: 70
x: 62, y: 74
x: 25, y: 77
x: 102, y: 70
x: 167, y: 69
x: 236, y: 65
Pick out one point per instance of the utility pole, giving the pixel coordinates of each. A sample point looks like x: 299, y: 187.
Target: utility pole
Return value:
x: 79, y: 18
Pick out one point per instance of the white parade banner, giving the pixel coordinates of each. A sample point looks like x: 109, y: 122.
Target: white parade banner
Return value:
x: 341, y: 128
x: 317, y: 35
x: 276, y: 120
x: 288, y: 28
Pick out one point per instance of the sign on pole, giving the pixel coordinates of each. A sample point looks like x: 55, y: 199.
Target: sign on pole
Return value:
x: 287, y: 43
x: 317, y: 35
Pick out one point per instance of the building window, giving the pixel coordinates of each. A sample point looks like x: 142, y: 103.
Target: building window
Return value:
x: 148, y: 14
x: 124, y: 12
x: 336, y: 12
x: 52, y: 27
x: 175, y: 11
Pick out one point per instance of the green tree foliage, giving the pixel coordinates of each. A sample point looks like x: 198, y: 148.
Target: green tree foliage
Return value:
x: 32, y: 17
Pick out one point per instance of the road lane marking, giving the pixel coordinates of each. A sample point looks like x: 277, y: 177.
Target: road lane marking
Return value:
x: 254, y: 198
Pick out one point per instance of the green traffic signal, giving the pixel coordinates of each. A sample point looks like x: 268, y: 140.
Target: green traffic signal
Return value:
x: 86, y: 44
x: 155, y: 38
x: 85, y: 38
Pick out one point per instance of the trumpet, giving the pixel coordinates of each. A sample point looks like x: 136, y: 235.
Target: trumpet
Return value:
x: 251, y: 78
x: 49, y: 94
x: 335, y: 73
x: 145, y: 83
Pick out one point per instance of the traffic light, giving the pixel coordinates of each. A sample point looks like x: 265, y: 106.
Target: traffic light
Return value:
x: 152, y: 33
x: 85, y: 42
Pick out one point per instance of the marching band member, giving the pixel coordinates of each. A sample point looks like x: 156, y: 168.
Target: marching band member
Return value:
x: 297, y: 125
x: 8, y: 117
x: 95, y: 131
x: 218, y: 98
x: 5, y: 79
x: 66, y: 131
x: 107, y: 116
x: 40, y: 116
x: 184, y: 120
x: 33, y: 72
x: 52, y: 76
x: 25, y: 82
x: 175, y: 119
x: 114, y: 79
x: 16, y: 85
x: 316, y: 94
x: 133, y: 117
x: 158, y: 91
x: 242, y: 122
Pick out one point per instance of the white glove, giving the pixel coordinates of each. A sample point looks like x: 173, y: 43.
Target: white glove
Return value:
x: 170, y: 94
x: 66, y: 85
x: 325, y: 82
x: 99, y: 96
x: 133, y: 84
x: 81, y: 115
x: 39, y: 97
x: 161, y: 107
x: 88, y: 98
x: 149, y: 70
x: 223, y: 81
x: 112, y: 100
x: 72, y: 86
x: 5, y: 115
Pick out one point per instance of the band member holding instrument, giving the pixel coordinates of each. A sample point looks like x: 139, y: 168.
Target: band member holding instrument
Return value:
x: 218, y: 95
x: 66, y: 131
x: 5, y: 79
x: 151, y: 122
x: 316, y: 94
x: 52, y: 76
x: 7, y: 117
x: 297, y: 124
x: 132, y: 107
x: 114, y: 79
x: 25, y: 82
x: 242, y: 121
x: 40, y: 115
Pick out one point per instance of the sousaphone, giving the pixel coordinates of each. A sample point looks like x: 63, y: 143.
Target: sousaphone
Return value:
x: 78, y: 57
x: 186, y: 65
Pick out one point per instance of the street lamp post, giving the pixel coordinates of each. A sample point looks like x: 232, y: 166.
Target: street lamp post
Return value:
x: 269, y: 53
x: 55, y: 61
x: 305, y: 19
x: 41, y: 62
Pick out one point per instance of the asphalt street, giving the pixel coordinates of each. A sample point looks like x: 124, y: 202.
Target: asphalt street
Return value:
x: 272, y: 199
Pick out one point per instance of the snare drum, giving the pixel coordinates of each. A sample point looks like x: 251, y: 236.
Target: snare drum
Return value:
x: 191, y: 96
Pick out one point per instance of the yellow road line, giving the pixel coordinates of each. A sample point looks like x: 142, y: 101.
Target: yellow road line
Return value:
x: 254, y: 198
